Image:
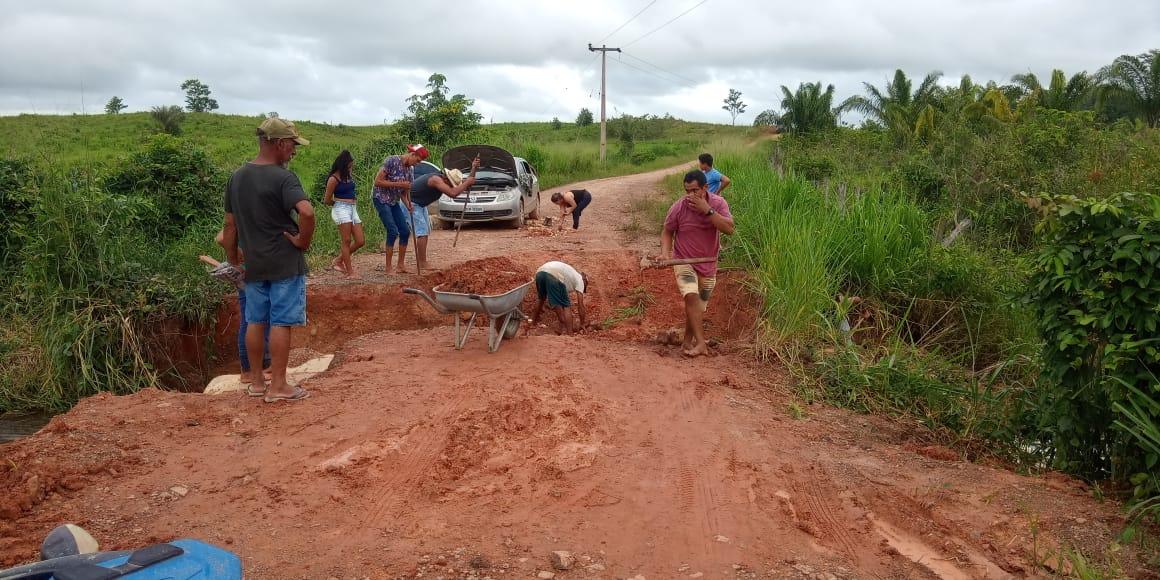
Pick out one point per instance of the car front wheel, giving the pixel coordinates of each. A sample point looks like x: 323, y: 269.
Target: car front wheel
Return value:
x: 519, y: 221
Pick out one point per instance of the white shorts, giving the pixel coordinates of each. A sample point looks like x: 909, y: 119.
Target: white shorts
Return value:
x: 344, y: 213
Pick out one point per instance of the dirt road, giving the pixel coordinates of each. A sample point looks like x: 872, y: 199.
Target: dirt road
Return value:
x: 414, y: 460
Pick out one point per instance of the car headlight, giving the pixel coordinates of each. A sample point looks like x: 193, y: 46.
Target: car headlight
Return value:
x: 504, y: 196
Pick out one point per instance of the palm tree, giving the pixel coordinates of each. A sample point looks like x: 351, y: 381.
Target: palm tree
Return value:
x: 1062, y: 94
x: 897, y: 108
x: 1134, y: 81
x: 809, y: 108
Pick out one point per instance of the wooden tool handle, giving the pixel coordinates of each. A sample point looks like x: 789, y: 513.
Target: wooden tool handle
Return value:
x: 681, y: 262
x: 209, y: 260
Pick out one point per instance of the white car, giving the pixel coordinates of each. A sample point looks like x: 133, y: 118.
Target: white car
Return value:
x: 506, y: 188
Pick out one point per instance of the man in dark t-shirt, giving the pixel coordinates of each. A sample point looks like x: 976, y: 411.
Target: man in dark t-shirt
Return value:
x: 425, y: 190
x: 261, y: 199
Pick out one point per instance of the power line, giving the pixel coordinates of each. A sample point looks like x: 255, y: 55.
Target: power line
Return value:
x: 649, y: 33
x: 655, y: 75
x: 618, y: 28
x: 666, y: 71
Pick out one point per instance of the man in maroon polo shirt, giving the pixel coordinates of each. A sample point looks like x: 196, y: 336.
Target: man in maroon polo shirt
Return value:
x: 692, y: 230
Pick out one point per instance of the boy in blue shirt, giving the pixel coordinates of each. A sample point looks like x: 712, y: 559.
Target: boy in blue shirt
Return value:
x: 716, y: 180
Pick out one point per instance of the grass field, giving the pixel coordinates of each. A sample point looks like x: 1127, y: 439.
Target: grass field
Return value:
x: 107, y: 218
x: 560, y: 155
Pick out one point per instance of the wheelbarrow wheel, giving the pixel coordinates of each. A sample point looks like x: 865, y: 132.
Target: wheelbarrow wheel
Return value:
x: 512, y: 328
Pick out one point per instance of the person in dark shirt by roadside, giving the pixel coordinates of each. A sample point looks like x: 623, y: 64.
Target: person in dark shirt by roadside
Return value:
x: 261, y: 199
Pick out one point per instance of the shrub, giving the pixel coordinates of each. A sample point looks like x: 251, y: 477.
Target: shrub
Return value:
x: 169, y: 118
x: 178, y: 181
x: 1095, y: 292
x: 919, y: 176
x: 97, y: 286
x: 17, y: 199
x: 584, y: 119
x: 814, y: 167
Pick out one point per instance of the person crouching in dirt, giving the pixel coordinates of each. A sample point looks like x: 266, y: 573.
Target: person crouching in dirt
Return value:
x: 555, y: 283
x: 425, y: 190
x: 571, y: 202
x: 691, y: 230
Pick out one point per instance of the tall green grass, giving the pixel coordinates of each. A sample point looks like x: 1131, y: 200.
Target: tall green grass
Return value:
x: 935, y: 334
x: 93, y: 291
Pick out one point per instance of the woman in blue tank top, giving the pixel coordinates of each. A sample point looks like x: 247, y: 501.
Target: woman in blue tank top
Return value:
x: 341, y: 195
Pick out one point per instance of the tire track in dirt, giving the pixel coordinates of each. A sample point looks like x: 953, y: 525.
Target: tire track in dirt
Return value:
x: 417, y: 459
x: 826, y: 526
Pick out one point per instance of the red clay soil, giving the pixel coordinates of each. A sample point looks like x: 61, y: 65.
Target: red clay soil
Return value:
x: 412, y: 459
x: 336, y: 314
x: 487, y: 277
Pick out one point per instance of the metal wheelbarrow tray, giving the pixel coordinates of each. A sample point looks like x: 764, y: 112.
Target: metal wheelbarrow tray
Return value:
x: 502, y: 311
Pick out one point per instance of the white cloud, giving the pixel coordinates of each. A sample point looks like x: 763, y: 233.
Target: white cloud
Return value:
x: 356, y: 62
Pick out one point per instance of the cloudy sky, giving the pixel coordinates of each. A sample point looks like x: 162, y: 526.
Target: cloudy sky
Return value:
x: 357, y: 61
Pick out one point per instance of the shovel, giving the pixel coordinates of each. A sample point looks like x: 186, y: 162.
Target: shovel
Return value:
x: 415, y: 240
x: 462, y: 217
x: 647, y: 262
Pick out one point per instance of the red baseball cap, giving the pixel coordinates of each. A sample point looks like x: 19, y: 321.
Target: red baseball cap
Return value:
x: 420, y: 150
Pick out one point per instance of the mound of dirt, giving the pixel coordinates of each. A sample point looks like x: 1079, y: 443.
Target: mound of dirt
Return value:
x: 488, y: 276
x: 539, y: 429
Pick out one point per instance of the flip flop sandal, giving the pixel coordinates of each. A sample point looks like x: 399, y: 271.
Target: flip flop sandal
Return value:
x: 299, y: 394
x: 253, y: 393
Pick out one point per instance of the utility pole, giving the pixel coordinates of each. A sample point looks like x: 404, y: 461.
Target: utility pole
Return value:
x: 603, y: 50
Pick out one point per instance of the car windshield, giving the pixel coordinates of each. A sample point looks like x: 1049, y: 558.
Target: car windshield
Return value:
x: 493, y: 177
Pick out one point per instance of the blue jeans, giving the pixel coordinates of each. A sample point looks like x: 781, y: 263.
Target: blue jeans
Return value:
x: 243, y: 354
x: 394, y: 217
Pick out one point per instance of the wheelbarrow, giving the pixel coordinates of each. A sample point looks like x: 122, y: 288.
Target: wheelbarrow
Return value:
x: 502, y: 311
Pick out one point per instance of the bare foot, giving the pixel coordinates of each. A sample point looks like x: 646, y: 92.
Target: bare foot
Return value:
x: 699, y: 350
x: 246, y: 378
x: 402, y: 270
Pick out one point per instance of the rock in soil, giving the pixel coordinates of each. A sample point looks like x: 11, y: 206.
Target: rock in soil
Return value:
x: 562, y: 560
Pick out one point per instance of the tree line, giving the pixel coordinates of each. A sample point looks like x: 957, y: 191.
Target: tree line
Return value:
x: 1127, y: 88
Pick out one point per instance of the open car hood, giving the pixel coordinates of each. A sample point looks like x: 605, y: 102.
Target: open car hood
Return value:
x: 490, y: 159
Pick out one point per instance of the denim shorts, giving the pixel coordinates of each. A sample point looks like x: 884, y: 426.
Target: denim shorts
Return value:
x: 277, y: 303
x: 422, y: 221
x: 344, y: 213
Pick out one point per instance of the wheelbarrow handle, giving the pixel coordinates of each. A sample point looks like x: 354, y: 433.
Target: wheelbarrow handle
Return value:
x: 417, y: 292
